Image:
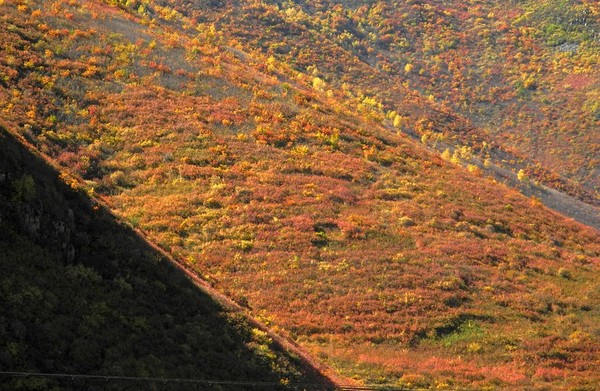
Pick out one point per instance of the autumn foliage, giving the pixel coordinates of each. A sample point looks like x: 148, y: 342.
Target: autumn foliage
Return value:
x: 287, y: 173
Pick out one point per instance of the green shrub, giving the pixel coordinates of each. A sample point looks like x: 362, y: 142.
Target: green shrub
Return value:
x: 24, y: 188
x: 564, y: 273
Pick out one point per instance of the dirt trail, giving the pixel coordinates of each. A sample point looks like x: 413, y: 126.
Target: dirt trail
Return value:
x: 562, y: 203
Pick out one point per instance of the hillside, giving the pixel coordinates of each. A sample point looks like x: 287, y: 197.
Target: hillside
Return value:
x: 83, y: 294
x: 522, y: 75
x: 293, y: 188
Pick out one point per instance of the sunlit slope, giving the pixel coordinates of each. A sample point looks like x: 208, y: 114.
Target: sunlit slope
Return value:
x: 296, y: 198
x: 524, y: 73
x: 514, y: 83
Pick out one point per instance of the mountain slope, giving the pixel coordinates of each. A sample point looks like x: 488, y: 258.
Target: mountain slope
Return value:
x: 417, y: 61
x: 522, y: 95
x: 85, y: 295
x: 293, y: 196
x: 524, y: 72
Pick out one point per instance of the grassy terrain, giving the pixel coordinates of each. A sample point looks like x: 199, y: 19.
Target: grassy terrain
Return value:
x: 287, y: 180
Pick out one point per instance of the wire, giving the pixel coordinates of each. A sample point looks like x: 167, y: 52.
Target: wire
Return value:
x: 312, y: 386
x: 291, y: 386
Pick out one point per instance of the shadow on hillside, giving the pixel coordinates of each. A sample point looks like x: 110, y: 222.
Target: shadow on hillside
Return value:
x: 81, y: 293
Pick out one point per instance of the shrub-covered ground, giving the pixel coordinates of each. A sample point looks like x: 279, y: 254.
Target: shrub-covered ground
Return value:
x: 298, y: 195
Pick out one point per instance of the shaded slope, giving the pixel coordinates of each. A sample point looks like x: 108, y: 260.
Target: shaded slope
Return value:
x: 83, y: 294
